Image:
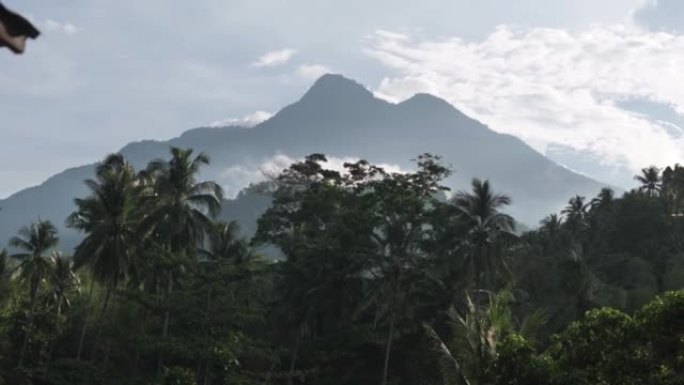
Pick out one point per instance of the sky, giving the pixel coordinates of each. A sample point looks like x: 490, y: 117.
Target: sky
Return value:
x: 594, y: 84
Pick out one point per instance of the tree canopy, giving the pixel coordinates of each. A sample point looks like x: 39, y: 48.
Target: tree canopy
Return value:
x: 381, y: 278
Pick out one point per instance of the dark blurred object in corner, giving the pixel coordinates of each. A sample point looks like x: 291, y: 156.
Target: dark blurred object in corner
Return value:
x: 14, y: 30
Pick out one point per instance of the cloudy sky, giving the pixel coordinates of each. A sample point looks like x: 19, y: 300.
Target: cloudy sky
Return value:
x: 598, y: 85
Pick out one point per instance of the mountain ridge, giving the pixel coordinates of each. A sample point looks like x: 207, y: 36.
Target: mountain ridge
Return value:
x: 340, y: 117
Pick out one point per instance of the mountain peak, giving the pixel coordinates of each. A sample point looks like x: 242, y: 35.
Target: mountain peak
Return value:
x: 427, y: 100
x: 423, y: 103
x: 341, y: 118
x: 337, y: 87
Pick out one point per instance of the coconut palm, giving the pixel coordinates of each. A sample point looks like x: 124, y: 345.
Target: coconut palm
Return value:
x: 604, y: 200
x: 181, y: 209
x: 225, y: 256
x: 466, y: 358
x: 486, y: 225
x: 62, y: 282
x: 598, y: 218
x: 550, y: 229
x: 576, y: 208
x: 575, y: 213
x: 577, y: 279
x: 650, y: 181
x: 224, y: 243
x: 110, y: 219
x: 34, y: 241
x: 672, y: 187
x: 551, y: 226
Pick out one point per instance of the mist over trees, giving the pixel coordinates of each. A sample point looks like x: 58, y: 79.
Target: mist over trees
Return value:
x: 340, y: 118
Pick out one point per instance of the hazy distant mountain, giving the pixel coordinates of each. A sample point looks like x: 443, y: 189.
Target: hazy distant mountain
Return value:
x: 337, y: 117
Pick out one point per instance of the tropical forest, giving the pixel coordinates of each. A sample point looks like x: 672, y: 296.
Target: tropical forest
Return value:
x: 354, y: 276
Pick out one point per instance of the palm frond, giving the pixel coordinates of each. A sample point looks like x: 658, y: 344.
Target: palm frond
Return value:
x: 533, y: 323
x: 449, y: 366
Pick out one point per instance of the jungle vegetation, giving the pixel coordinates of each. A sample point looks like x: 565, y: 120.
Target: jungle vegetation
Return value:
x: 387, y: 278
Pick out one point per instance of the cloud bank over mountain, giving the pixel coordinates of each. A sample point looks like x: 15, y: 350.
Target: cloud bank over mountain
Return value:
x: 342, y: 119
x: 553, y: 87
x: 249, y: 120
x: 236, y: 177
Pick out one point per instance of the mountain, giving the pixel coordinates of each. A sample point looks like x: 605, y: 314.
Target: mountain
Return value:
x: 340, y: 118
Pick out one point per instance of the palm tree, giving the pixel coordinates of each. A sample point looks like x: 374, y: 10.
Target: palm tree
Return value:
x: 110, y: 218
x: 672, y: 186
x: 575, y: 212
x: 650, y: 181
x: 476, y: 334
x: 62, y: 282
x: 486, y: 223
x: 604, y: 200
x: 599, y: 217
x: 225, y: 248
x: 576, y: 208
x: 183, y: 206
x: 551, y: 225
x: 577, y: 279
x: 181, y: 209
x: 224, y: 243
x: 34, y: 241
x: 550, y: 229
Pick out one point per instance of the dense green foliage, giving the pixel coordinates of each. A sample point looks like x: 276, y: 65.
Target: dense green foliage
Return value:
x: 385, y: 280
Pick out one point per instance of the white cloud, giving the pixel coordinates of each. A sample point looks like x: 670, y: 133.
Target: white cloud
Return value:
x: 250, y: 120
x: 235, y: 178
x: 551, y: 86
x: 312, y: 71
x: 75, y: 85
x: 65, y: 28
x: 337, y: 164
x: 275, y: 58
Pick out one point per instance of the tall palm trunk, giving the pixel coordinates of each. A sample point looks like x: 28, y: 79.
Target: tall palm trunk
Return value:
x: 98, y: 326
x: 478, y: 307
x: 480, y: 348
x: 388, y: 348
x: 479, y: 260
x: 202, y: 370
x: 85, y: 322
x: 35, y: 281
x: 167, y: 317
x: 51, y: 345
x: 272, y: 367
x: 396, y: 291
x: 206, y: 339
x: 167, y: 312
x: 293, y: 359
x: 390, y: 334
x: 59, y: 306
x: 142, y: 332
x: 478, y: 284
